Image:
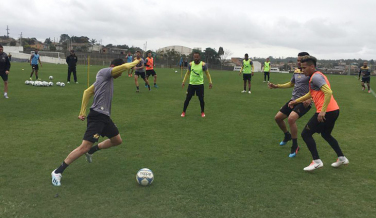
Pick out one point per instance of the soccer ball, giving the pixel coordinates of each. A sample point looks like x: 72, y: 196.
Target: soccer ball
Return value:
x: 50, y: 83
x: 44, y: 83
x: 62, y: 84
x: 32, y: 83
x: 144, y: 177
x: 51, y: 77
x: 176, y: 71
x: 58, y: 83
x: 27, y: 82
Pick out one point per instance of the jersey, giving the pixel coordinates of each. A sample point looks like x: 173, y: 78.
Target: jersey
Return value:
x: 300, y: 84
x: 317, y: 80
x: 129, y: 59
x: 103, y: 91
x: 150, y: 63
x: 266, y: 66
x: 365, y: 72
x: 247, y: 66
x: 197, y: 73
x: 34, y: 59
x: 142, y: 62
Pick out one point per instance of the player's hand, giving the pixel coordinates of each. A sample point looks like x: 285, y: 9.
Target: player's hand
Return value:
x: 82, y: 117
x: 291, y: 104
x: 7, y: 72
x: 272, y: 86
x: 321, y: 117
x: 253, y: 74
x: 210, y: 85
x: 182, y: 85
x: 240, y: 72
x: 307, y: 103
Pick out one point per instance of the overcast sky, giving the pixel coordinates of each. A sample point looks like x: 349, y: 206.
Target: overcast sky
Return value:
x: 329, y: 29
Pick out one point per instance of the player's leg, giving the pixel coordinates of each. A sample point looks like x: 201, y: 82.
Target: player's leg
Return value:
x: 147, y: 77
x: 279, y: 118
x: 74, y: 75
x: 264, y: 76
x: 363, y: 87
x: 293, y: 117
x: 69, y: 74
x: 32, y: 72
x: 200, y: 95
x: 244, y: 84
x: 190, y: 93
x: 268, y: 76
x: 5, y: 79
x: 136, y: 82
x: 368, y: 85
x: 146, y: 80
x: 155, y: 79
x: 249, y: 84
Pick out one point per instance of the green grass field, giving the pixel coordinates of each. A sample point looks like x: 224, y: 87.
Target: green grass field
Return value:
x: 228, y: 164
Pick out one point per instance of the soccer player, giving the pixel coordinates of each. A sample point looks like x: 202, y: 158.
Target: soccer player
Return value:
x: 150, y: 69
x: 72, y: 62
x: 300, y: 83
x: 34, y: 59
x: 99, y: 122
x: 129, y: 58
x: 327, y: 112
x: 195, y: 72
x: 4, y: 69
x: 267, y: 69
x: 366, y: 76
x: 247, y: 70
x: 139, y: 71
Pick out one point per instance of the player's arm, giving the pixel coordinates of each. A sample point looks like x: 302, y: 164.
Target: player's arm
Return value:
x: 118, y: 70
x: 327, y: 96
x: 30, y: 59
x: 7, y: 65
x: 360, y: 71
x: 39, y: 61
x: 286, y: 85
x: 299, y: 100
x: 241, y: 69
x: 186, y: 75
x: 88, y: 93
x: 252, y: 68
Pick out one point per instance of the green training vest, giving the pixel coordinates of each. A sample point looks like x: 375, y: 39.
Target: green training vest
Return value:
x: 266, y: 66
x: 197, y: 74
x: 247, y: 67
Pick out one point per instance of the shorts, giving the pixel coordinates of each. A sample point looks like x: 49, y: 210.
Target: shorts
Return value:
x: 313, y: 125
x: 4, y: 76
x: 299, y: 109
x: 247, y: 77
x: 140, y: 74
x: 35, y: 66
x: 196, y: 89
x: 366, y: 80
x: 266, y: 73
x: 150, y: 72
x: 99, y: 125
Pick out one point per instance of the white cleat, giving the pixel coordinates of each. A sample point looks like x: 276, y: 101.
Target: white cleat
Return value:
x: 342, y: 160
x: 56, y: 178
x: 249, y: 92
x: 89, y: 157
x: 6, y: 96
x: 316, y: 164
x: 243, y: 91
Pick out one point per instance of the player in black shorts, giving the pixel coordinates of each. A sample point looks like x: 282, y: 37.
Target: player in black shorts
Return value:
x: 149, y: 63
x: 4, y: 70
x: 366, y: 76
x: 140, y: 72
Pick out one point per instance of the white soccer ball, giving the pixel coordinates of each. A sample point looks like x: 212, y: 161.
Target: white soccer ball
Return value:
x: 51, y: 77
x: 62, y: 84
x: 176, y: 71
x: 32, y: 83
x: 27, y: 82
x: 37, y: 83
x: 145, y: 177
x: 58, y: 83
x: 50, y: 83
x: 44, y: 83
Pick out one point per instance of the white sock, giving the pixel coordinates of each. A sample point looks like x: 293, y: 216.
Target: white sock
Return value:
x: 5, y: 93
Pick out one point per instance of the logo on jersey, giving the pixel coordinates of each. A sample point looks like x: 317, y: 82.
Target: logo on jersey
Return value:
x: 197, y: 74
x: 96, y: 136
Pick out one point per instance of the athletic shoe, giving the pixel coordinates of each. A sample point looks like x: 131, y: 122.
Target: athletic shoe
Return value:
x: 294, y: 153
x: 369, y: 91
x: 249, y: 92
x: 89, y: 157
x: 182, y: 114
x: 31, y: 79
x: 6, y: 96
x: 137, y: 91
x: 340, y: 161
x: 363, y: 89
x: 76, y: 82
x: 155, y: 86
x: 56, y: 178
x: 243, y: 91
x: 68, y: 82
x: 285, y: 140
x: 39, y: 79
x: 146, y: 86
x: 316, y: 164
x: 202, y: 114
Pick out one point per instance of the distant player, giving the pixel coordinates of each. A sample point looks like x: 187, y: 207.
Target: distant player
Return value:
x: 129, y: 58
x: 195, y: 72
x: 34, y: 59
x: 72, y: 63
x: 4, y: 69
x: 140, y: 72
x: 300, y: 83
x: 149, y: 63
x: 99, y: 122
x: 366, y: 76
x: 247, y: 70
x: 267, y: 70
x: 324, y: 119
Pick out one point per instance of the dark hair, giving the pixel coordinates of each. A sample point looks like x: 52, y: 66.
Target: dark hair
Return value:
x: 246, y: 54
x: 1, y: 46
x: 303, y: 54
x: 117, y: 62
x: 196, y: 52
x: 309, y: 60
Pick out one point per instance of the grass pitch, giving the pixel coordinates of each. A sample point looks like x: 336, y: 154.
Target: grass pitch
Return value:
x: 228, y: 164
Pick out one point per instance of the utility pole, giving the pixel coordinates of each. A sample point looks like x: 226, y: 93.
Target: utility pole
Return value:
x: 21, y: 39
x: 8, y: 32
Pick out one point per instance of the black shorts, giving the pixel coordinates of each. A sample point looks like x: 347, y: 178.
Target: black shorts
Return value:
x: 140, y: 74
x: 4, y: 76
x: 366, y: 80
x: 247, y: 77
x: 150, y: 72
x: 266, y: 73
x: 196, y: 89
x: 313, y: 125
x: 35, y: 66
x: 299, y: 109
x: 99, y: 125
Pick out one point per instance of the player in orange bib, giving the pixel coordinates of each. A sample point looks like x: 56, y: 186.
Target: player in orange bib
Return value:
x: 327, y: 112
x: 149, y: 63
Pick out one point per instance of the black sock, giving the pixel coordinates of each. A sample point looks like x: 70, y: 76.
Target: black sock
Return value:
x: 245, y: 88
x: 61, y: 168
x: 155, y: 83
x: 287, y: 136
x: 294, y: 145
x: 93, y: 149
x: 137, y: 87
x: 149, y: 87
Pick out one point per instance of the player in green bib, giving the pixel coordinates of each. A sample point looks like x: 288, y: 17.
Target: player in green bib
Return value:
x: 195, y: 72
x: 267, y: 69
x: 247, y: 70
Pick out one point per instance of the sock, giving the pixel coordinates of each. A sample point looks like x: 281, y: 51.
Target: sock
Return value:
x: 294, y: 145
x: 93, y: 149
x: 155, y: 83
x: 5, y: 93
x: 137, y: 87
x: 61, y: 168
x: 245, y: 88
x: 287, y: 136
x: 149, y: 87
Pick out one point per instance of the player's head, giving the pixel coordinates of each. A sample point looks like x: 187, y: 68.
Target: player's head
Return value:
x: 308, y: 64
x: 267, y: 59
x: 300, y: 55
x: 365, y: 64
x: 36, y: 51
x: 1, y: 49
x: 116, y: 62
x: 246, y: 56
x: 196, y: 57
x: 149, y: 54
x: 72, y: 52
x: 129, y: 53
x: 138, y: 54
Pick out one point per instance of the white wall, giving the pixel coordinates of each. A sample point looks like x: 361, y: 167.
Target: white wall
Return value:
x: 13, y: 49
x: 43, y: 59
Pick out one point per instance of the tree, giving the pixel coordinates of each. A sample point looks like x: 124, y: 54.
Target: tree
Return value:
x: 211, y: 56
x: 64, y: 38
x: 48, y: 41
x: 227, y: 53
x: 92, y: 42
x: 221, y: 51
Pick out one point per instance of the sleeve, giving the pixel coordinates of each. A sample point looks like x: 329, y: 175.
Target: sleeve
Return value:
x: 88, y: 93
x: 116, y: 71
x: 7, y: 64
x: 66, y: 60
x: 360, y: 71
x: 328, y: 96
x: 303, y: 98
x: 318, y: 81
x: 76, y: 59
x: 293, y: 78
x: 286, y: 85
x: 251, y: 62
x: 204, y: 67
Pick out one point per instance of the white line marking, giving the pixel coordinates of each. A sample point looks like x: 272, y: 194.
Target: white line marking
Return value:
x: 372, y: 92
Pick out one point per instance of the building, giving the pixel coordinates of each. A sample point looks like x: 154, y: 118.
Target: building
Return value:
x: 178, y: 48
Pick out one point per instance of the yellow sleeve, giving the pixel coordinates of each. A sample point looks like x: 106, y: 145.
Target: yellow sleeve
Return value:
x: 286, y: 85
x: 118, y: 70
x: 186, y: 75
x: 88, y: 93
x: 208, y: 76
x: 328, y: 95
x: 303, y: 98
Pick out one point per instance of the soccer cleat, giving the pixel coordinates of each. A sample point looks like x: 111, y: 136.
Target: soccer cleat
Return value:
x: 39, y: 79
x: 369, y: 91
x: 202, y: 114
x: 155, y: 86
x: 68, y: 82
x: 340, y: 161
x: 285, y: 140
x: 6, y: 96
x: 56, y: 178
x: 137, y: 91
x: 249, y: 92
x: 363, y: 89
x: 31, y: 79
x: 76, y: 82
x: 243, y: 91
x: 89, y: 157
x: 182, y: 114
x: 316, y: 164
x: 294, y: 153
